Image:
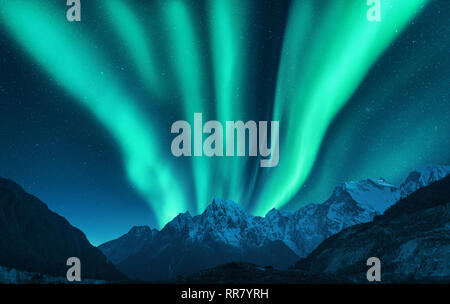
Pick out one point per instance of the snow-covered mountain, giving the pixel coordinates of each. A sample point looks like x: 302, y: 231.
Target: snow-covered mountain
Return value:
x: 350, y: 203
x: 225, y: 231
x: 128, y: 244
x: 411, y: 239
x: 423, y: 177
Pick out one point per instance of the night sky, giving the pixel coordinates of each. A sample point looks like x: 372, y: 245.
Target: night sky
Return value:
x: 86, y: 107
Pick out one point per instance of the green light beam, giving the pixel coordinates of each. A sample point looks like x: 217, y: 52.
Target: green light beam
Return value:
x: 69, y: 59
x: 227, y: 27
x: 138, y: 43
x: 189, y: 69
x: 347, y: 45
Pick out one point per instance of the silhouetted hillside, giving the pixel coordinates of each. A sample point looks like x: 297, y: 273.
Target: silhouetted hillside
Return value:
x: 35, y: 239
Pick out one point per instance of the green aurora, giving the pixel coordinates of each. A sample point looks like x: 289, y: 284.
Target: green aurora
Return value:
x: 196, y: 57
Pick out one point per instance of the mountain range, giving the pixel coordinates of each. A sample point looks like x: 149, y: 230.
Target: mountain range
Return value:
x: 406, y: 226
x: 225, y: 232
x: 411, y: 239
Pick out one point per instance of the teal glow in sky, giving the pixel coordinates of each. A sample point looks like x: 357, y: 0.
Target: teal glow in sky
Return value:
x: 83, y: 73
x: 332, y: 68
x: 138, y: 67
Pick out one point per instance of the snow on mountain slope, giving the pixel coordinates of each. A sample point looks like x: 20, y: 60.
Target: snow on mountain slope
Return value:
x: 411, y: 239
x: 225, y: 223
x: 423, y: 177
x: 377, y: 194
x: 350, y: 203
x: 228, y: 223
x: 130, y: 243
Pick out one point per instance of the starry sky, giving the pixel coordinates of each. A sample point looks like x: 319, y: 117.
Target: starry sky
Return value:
x: 86, y: 107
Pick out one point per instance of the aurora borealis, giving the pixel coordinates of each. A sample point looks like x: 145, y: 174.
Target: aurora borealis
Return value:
x: 354, y: 99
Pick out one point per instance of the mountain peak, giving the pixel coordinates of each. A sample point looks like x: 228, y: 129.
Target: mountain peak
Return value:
x: 272, y: 213
x: 366, y: 184
x: 423, y: 177
x: 180, y: 222
x: 224, y: 203
x: 275, y: 213
x: 225, y: 231
x: 141, y: 230
x: 224, y: 207
x: 376, y: 194
x: 14, y: 188
x: 434, y: 167
x: 431, y: 171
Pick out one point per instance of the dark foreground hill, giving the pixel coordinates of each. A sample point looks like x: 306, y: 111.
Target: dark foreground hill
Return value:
x: 35, y: 239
